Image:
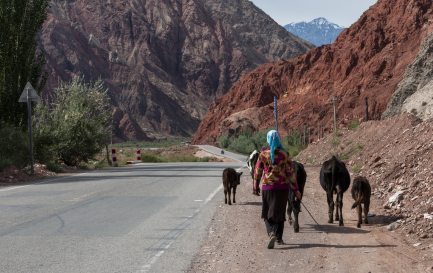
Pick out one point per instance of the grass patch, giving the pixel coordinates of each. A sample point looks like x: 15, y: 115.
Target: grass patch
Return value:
x: 353, y: 150
x: 336, y: 141
x: 356, y: 169
x: 353, y: 125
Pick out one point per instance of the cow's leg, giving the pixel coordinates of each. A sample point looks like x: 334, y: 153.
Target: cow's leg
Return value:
x: 366, y: 210
x: 225, y: 195
x: 340, y: 207
x: 337, y: 205
x: 296, y: 209
x: 330, y: 200
x: 289, y: 211
x: 359, y: 215
x: 229, y: 193
x: 234, y: 194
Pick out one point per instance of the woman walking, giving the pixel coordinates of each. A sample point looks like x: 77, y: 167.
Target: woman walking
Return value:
x: 277, y: 169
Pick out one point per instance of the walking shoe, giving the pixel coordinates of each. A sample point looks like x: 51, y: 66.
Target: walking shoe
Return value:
x: 280, y: 242
x: 272, y: 241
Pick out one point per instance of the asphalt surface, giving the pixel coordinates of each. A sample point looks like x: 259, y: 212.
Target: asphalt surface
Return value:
x: 222, y: 152
x: 143, y: 218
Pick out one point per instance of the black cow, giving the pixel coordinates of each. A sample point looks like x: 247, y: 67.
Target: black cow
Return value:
x: 334, y: 178
x: 361, y: 193
x: 231, y: 179
x: 293, y: 204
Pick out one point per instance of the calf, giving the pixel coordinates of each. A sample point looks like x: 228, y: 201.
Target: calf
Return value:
x: 361, y: 192
x: 293, y: 204
x: 334, y: 178
x: 231, y: 179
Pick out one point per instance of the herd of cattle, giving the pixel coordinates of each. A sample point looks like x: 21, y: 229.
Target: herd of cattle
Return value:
x: 334, y: 179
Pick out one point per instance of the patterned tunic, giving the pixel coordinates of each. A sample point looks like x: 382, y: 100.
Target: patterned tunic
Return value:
x: 280, y: 176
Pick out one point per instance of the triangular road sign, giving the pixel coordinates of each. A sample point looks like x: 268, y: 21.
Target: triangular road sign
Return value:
x: 33, y: 96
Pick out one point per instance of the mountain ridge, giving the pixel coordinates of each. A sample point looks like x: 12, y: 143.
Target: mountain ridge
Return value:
x: 318, y: 31
x: 163, y: 62
x: 368, y: 60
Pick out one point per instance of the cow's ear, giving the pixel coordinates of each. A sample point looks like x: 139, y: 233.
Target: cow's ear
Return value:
x: 240, y: 173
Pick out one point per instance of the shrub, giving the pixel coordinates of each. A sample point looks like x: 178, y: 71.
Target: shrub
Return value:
x: 76, y: 126
x: 54, y: 167
x: 224, y: 141
x: 13, y: 147
x: 150, y: 158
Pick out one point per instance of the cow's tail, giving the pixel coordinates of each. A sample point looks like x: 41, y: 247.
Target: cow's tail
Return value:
x: 333, y: 171
x: 358, y: 200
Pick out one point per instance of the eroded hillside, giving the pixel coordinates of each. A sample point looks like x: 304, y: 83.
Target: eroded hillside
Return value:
x: 163, y: 62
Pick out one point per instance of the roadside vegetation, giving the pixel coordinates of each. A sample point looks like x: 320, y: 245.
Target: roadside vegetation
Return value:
x: 247, y: 142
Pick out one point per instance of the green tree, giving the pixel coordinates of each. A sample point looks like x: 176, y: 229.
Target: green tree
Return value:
x: 76, y: 126
x: 20, y: 22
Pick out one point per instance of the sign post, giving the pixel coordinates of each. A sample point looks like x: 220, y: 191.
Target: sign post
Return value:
x: 28, y: 95
x: 276, y: 113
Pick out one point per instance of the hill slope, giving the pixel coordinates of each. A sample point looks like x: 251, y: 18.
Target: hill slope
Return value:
x: 164, y: 62
x: 368, y: 60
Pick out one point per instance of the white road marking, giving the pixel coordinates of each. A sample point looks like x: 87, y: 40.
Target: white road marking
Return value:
x: 12, y: 188
x: 198, y: 200
x: 212, y: 195
x: 155, y: 257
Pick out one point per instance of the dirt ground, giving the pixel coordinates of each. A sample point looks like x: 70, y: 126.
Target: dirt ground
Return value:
x: 237, y: 239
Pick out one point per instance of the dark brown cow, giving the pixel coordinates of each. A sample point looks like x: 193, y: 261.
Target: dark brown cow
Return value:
x: 334, y: 178
x: 361, y: 193
x: 231, y: 179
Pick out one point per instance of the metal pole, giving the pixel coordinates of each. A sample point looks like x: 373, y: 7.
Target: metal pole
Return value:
x: 276, y: 112
x: 29, y: 120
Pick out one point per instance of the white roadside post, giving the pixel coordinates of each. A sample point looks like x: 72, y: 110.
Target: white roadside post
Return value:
x: 28, y: 95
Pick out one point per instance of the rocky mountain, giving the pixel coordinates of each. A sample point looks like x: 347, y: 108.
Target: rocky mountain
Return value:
x: 318, y: 31
x: 368, y: 60
x: 163, y: 61
x: 414, y: 94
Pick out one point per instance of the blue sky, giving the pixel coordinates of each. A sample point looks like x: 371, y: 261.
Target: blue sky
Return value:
x: 341, y: 12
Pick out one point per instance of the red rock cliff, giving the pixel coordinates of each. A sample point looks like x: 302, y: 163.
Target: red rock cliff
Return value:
x: 367, y: 60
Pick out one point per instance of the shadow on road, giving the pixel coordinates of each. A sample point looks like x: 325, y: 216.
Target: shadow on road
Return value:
x: 250, y: 204
x: 382, y: 220
x: 334, y: 228
x: 306, y: 246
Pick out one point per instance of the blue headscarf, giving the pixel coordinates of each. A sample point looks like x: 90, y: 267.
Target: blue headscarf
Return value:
x: 273, y: 139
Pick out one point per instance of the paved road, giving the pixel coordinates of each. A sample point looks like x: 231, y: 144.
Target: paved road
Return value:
x: 144, y: 218
x: 217, y: 151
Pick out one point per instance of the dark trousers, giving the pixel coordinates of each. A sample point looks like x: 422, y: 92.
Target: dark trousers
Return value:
x: 275, y: 228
